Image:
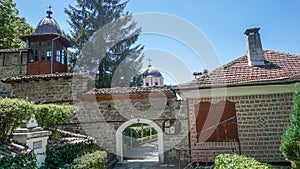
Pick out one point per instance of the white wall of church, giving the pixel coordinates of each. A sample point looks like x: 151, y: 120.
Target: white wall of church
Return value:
x: 153, y: 81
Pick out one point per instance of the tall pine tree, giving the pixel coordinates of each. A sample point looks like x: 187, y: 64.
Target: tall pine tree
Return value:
x: 103, y: 37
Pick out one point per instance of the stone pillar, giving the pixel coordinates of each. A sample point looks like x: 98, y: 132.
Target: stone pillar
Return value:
x: 33, y: 137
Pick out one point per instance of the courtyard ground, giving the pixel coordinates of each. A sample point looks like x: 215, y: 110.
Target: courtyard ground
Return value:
x: 143, y: 156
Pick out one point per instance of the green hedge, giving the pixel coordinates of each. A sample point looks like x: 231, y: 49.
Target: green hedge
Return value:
x: 27, y: 161
x: 233, y: 161
x: 60, y: 156
x: 49, y: 115
x: 12, y: 113
x: 95, y: 160
x: 137, y: 131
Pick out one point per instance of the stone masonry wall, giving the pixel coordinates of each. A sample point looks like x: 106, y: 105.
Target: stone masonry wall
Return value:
x: 5, y: 90
x: 10, y: 66
x: 261, y: 121
x: 52, y: 90
x: 101, y: 120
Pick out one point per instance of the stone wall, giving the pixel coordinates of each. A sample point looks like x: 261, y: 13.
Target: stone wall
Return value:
x: 261, y: 121
x: 5, y: 90
x: 102, y: 118
x: 52, y: 88
x: 10, y: 66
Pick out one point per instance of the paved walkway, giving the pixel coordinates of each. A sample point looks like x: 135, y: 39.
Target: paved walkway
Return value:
x: 147, y: 152
x: 143, y: 156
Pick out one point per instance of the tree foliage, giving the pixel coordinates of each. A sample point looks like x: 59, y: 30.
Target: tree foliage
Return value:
x: 290, y: 144
x: 12, y: 26
x: 103, y: 37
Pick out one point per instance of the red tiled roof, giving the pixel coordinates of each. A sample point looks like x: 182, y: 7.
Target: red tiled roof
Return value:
x: 13, y: 50
x: 130, y: 90
x: 41, y: 77
x: 12, y: 150
x: 279, y: 67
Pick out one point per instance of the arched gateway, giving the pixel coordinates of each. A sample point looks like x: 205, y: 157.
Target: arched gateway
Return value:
x: 105, y: 113
x: 119, y: 137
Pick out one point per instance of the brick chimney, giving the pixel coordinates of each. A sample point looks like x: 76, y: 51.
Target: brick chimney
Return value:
x: 254, y: 48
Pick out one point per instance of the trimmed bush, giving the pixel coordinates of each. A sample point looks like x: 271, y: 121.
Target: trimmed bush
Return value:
x: 290, y: 143
x: 49, y: 115
x: 233, y: 161
x: 12, y: 113
x: 137, y: 131
x: 95, y: 160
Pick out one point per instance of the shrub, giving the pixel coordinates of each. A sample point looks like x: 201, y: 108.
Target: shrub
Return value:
x: 290, y: 143
x: 49, y: 115
x: 27, y: 161
x: 57, y: 157
x: 233, y: 161
x: 95, y: 160
x: 12, y: 113
x: 137, y: 131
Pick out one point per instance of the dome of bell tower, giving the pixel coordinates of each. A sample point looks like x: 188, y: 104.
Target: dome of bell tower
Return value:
x: 48, y: 25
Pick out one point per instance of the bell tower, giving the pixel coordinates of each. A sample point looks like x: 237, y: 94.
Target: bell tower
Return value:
x: 47, y: 48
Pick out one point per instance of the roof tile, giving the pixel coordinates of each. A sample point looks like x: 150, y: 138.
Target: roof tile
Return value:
x: 279, y: 67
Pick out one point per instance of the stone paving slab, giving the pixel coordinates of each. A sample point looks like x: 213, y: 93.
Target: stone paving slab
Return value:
x: 143, y: 165
x: 143, y: 156
x: 147, y: 151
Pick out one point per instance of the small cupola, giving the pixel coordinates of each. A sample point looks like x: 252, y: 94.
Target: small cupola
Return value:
x: 48, y: 25
x: 254, y: 48
x: 47, y: 48
x: 152, y: 76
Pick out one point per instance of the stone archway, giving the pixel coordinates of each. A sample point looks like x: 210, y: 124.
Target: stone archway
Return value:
x: 119, y: 137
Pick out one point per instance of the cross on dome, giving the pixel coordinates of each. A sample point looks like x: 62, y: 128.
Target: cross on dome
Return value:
x: 49, y: 12
x: 149, y: 60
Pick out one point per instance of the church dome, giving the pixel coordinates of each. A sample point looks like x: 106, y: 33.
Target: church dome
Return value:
x: 48, y: 25
x: 152, y: 71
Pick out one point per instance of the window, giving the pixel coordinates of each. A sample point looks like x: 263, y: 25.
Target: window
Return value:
x: 64, y: 56
x: 216, y: 131
x: 46, y: 51
x: 58, y: 49
x: 34, y: 52
x: 147, y: 84
x: 156, y: 83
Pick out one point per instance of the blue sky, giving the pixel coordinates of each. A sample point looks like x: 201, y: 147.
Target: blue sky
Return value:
x: 223, y: 22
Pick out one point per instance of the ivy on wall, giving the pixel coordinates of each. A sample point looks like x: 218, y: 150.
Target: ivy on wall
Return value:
x: 27, y: 161
x: 59, y: 156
